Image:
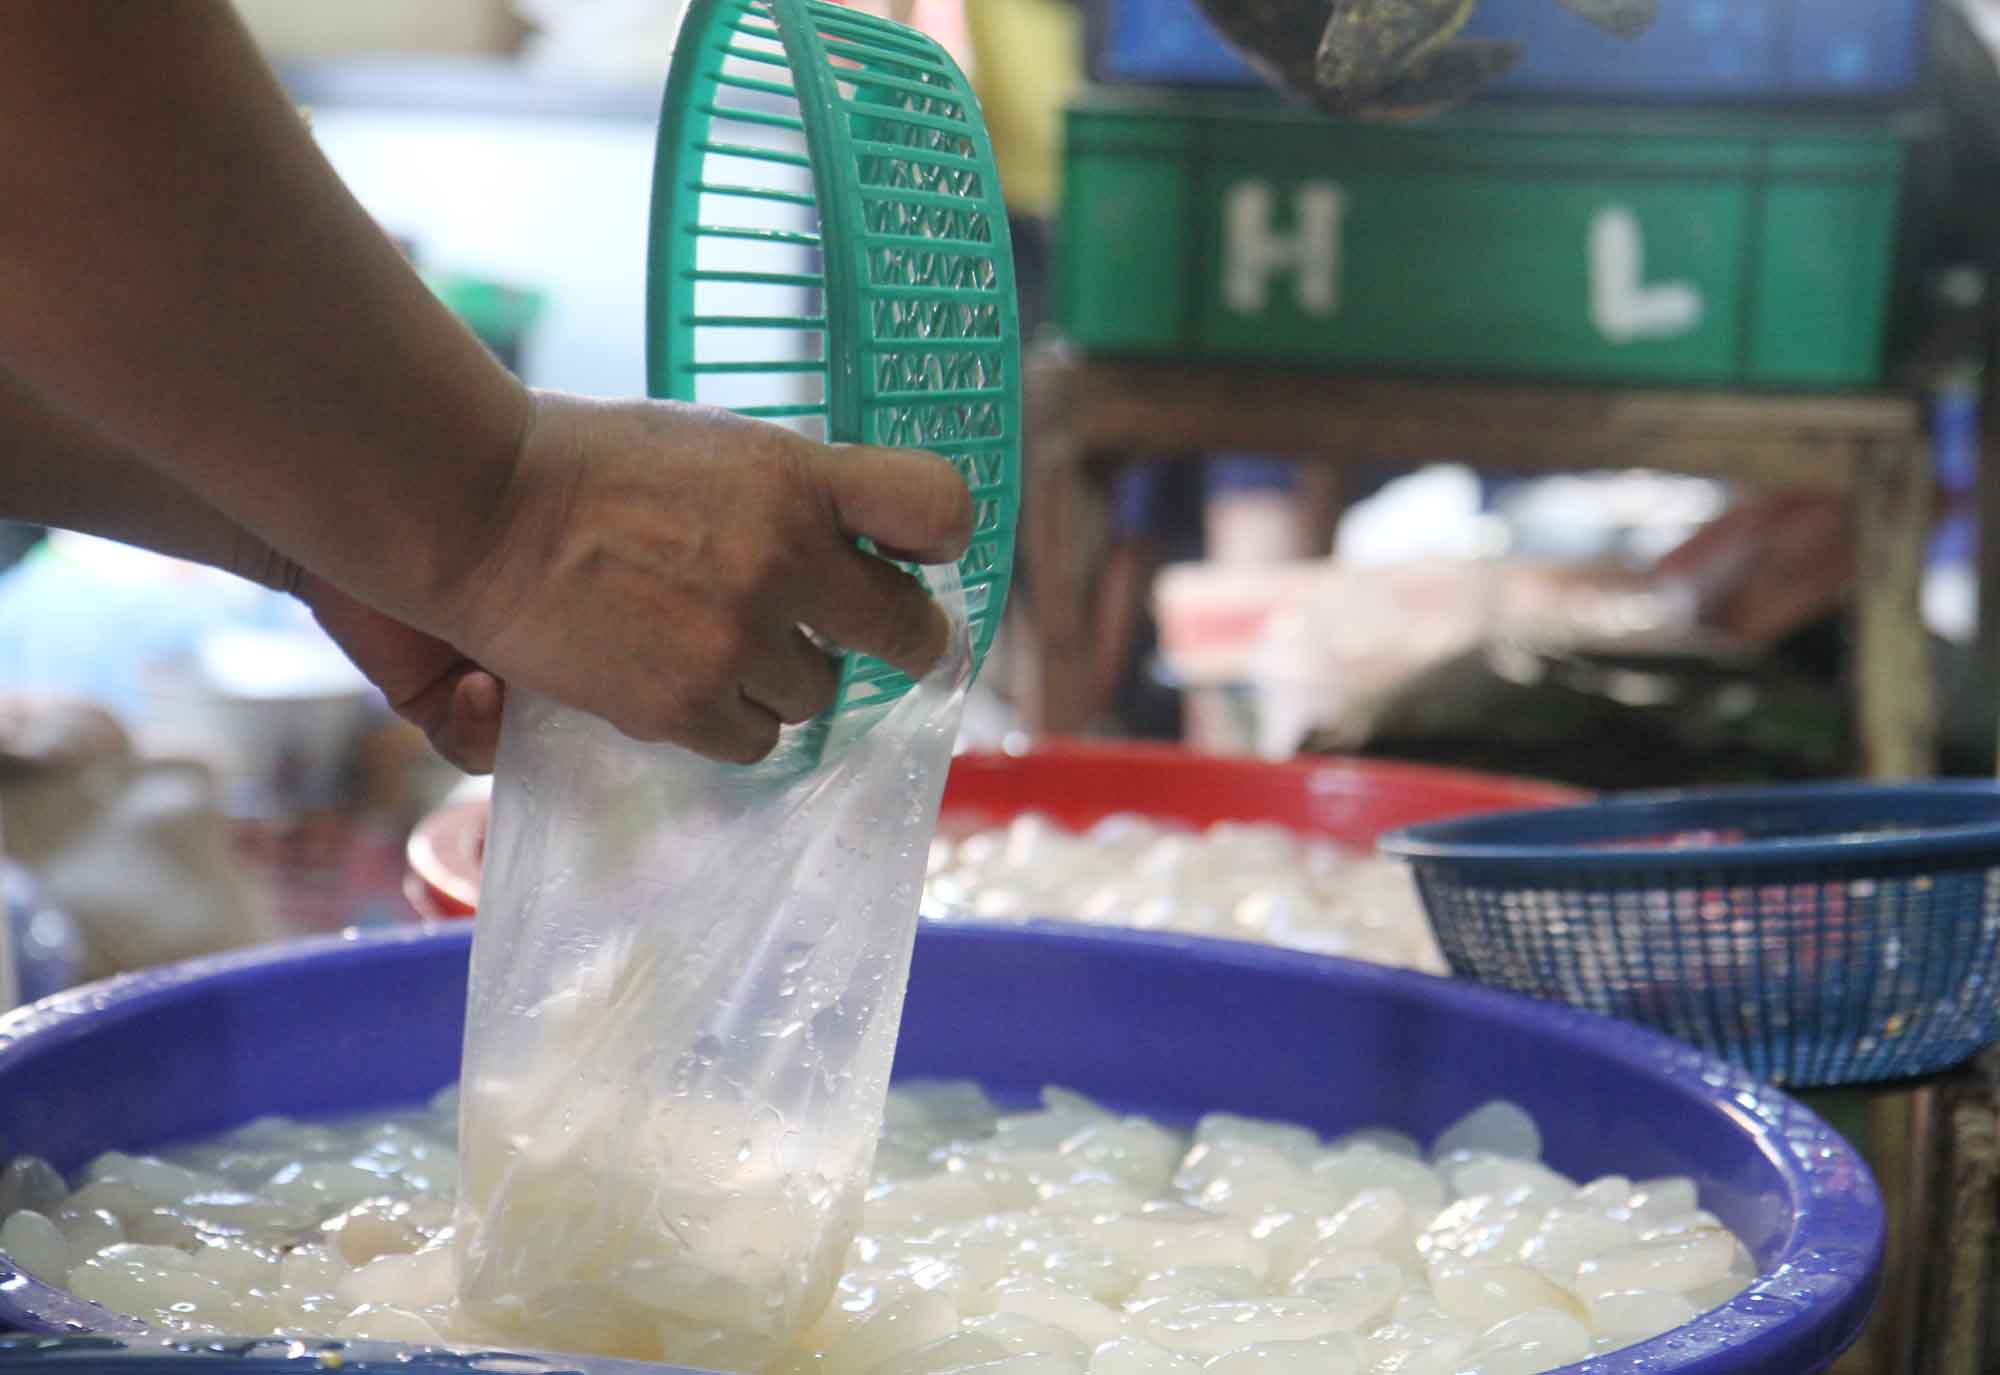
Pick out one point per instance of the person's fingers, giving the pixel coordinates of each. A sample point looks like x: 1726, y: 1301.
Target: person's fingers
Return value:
x: 913, y: 503
x: 469, y: 733
x: 793, y: 680
x: 459, y: 713
x: 735, y: 730
x: 870, y: 606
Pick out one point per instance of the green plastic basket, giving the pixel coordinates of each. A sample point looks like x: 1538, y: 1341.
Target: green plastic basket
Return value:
x: 829, y: 250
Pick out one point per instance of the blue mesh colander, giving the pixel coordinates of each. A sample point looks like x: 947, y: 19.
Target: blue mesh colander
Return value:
x: 1817, y: 935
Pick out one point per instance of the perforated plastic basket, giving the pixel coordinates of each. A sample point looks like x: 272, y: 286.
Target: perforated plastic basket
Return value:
x: 829, y: 250
x: 1819, y: 935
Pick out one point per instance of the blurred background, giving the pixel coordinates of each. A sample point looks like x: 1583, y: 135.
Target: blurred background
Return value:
x: 186, y: 763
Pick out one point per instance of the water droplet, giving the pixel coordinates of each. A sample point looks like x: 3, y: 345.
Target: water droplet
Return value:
x: 1767, y: 1305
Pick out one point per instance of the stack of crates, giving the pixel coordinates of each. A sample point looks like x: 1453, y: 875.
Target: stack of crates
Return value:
x: 1714, y: 203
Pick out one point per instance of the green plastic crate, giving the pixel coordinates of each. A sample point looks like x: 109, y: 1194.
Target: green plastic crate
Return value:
x: 1666, y: 247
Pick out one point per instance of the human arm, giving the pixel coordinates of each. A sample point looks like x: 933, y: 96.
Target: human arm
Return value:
x: 182, y: 267
x: 57, y: 472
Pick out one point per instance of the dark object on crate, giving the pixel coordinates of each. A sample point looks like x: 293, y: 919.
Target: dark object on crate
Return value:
x: 1386, y: 57
x: 1696, y: 50
x: 1656, y: 247
x: 1625, y: 18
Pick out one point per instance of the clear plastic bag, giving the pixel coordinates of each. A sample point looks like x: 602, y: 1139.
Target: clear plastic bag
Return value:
x: 686, y: 982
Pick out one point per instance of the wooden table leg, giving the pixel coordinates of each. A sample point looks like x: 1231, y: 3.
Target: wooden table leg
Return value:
x: 1897, y: 708
x: 1912, y: 1234
x: 1896, y: 693
x: 1969, y: 1180
x: 1065, y: 519
x: 1989, y: 567
x: 1892, y: 1131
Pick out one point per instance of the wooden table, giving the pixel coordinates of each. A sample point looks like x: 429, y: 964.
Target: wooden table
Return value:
x: 1084, y: 414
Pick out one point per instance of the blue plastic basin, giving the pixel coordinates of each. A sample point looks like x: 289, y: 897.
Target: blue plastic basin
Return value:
x: 1173, y: 1027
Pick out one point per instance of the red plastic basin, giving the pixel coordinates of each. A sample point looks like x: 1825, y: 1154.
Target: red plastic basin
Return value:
x: 1076, y: 783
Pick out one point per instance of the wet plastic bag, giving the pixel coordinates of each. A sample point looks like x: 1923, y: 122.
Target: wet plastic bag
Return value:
x: 686, y: 983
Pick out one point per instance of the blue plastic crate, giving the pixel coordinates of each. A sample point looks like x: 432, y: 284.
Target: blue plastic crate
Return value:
x: 1696, y: 50
x: 1168, y: 42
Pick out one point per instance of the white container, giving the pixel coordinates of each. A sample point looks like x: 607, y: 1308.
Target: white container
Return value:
x: 1212, y: 615
x: 1267, y: 654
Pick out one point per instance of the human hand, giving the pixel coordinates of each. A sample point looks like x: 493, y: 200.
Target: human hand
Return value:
x: 452, y: 700
x: 653, y: 562
x: 1769, y: 566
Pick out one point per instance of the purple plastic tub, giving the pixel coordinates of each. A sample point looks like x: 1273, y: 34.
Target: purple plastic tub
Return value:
x: 1164, y: 1025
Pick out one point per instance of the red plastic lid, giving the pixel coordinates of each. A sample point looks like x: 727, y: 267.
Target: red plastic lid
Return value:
x: 445, y: 853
